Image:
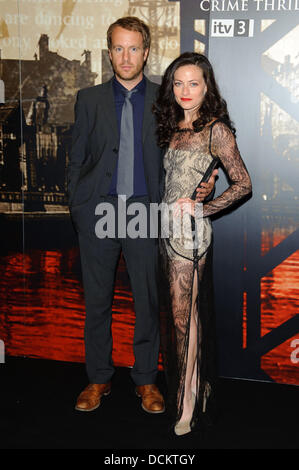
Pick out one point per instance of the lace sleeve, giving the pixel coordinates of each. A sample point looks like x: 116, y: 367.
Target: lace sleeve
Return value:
x: 225, y: 147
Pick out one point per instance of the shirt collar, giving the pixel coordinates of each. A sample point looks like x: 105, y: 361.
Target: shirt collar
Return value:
x: 119, y: 88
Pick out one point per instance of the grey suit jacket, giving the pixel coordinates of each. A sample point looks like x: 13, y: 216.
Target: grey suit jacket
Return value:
x: 95, y: 145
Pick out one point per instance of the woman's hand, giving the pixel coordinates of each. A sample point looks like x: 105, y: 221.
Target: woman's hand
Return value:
x: 205, y: 189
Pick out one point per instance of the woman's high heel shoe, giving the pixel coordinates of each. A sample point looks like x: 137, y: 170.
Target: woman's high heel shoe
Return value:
x: 206, y: 394
x: 184, y: 427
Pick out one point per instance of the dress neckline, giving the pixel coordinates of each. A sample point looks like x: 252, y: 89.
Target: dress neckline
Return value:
x: 184, y: 129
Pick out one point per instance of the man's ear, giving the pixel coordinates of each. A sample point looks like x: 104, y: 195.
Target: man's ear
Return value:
x: 145, y: 55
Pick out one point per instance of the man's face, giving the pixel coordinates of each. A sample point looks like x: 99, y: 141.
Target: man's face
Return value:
x: 127, y: 54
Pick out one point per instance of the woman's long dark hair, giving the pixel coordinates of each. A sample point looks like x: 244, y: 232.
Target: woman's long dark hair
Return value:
x: 169, y: 113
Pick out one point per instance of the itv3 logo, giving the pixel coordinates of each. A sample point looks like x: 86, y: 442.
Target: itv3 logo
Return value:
x: 232, y: 28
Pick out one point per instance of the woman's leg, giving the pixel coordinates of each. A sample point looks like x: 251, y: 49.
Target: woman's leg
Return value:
x: 184, y: 291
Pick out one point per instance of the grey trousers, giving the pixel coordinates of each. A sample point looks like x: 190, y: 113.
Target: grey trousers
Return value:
x: 99, y: 261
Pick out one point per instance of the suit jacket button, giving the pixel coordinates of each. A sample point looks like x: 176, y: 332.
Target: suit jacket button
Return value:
x: 115, y: 150
x: 108, y: 173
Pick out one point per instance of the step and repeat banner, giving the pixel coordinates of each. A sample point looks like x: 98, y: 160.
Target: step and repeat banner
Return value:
x: 52, y: 48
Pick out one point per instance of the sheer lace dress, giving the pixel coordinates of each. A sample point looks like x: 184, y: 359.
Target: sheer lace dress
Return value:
x: 188, y: 331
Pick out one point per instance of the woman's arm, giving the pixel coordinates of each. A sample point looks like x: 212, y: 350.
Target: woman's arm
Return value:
x: 225, y: 147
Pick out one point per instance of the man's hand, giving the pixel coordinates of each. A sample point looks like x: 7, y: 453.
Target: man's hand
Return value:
x: 188, y: 205
x: 206, y: 188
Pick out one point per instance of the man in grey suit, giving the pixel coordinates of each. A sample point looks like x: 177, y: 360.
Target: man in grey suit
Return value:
x: 114, y: 153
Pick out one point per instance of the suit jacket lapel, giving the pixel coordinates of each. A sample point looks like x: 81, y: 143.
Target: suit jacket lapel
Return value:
x: 148, y: 116
x: 107, y: 105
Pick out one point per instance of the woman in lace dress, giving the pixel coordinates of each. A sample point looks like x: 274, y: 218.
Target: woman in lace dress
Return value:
x: 195, y: 129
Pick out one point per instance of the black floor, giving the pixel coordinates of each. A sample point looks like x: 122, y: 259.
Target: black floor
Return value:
x: 37, y: 400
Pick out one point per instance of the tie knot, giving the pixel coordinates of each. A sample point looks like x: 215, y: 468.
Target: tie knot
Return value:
x: 129, y: 93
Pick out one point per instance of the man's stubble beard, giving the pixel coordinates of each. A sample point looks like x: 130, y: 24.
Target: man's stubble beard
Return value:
x: 119, y: 74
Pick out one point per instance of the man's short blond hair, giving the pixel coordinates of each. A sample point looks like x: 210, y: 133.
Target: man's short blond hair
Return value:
x: 131, y: 23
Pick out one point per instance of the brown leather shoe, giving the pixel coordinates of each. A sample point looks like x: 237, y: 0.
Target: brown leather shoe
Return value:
x: 152, y: 400
x: 90, y: 398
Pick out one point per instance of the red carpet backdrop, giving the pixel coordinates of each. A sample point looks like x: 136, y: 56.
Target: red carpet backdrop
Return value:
x: 49, y: 50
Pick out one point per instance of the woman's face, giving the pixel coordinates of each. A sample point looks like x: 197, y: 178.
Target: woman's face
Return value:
x: 189, y: 87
